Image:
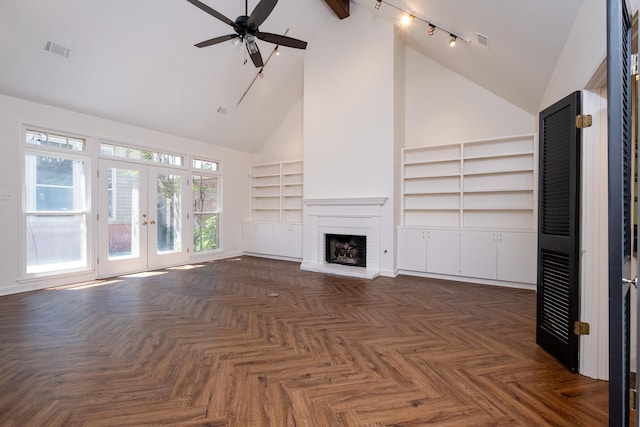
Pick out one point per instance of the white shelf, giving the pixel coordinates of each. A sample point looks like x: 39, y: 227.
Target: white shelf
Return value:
x: 482, y: 184
x: 277, y: 191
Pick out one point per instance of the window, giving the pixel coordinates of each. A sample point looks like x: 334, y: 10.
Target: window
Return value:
x: 206, y: 207
x: 55, y: 204
x: 132, y: 153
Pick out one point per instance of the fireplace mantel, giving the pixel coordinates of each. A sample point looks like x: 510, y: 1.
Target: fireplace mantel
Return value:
x: 356, y: 216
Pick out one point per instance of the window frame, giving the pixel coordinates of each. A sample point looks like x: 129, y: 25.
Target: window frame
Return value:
x: 193, y: 170
x: 85, y: 211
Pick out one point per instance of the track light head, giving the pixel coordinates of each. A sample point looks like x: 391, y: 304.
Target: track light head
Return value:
x: 378, y: 4
x: 432, y: 29
x: 452, y: 40
x: 406, y: 19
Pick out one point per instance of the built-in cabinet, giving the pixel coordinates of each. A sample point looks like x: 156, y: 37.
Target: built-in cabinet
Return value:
x: 273, y: 239
x: 429, y: 250
x: 469, y: 209
x: 502, y: 255
x: 275, y: 228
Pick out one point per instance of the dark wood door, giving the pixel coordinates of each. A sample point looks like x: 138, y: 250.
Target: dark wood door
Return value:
x: 559, y: 231
x: 619, y: 175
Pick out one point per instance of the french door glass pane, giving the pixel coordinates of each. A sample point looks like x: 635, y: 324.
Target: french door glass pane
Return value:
x: 169, y: 207
x: 56, y: 242
x: 123, y: 207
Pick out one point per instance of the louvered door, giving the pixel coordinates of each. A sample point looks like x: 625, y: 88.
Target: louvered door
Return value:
x: 558, y: 231
x: 619, y: 175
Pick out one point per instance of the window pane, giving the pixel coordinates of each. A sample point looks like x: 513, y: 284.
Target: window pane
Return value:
x: 54, y: 184
x: 54, y: 171
x: 169, y: 207
x: 205, y: 232
x: 205, y: 165
x: 205, y: 193
x: 124, y: 213
x: 107, y: 149
x: 53, y: 140
x: 56, y: 243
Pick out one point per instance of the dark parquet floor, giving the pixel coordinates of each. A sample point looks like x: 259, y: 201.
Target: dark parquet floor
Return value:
x: 256, y: 342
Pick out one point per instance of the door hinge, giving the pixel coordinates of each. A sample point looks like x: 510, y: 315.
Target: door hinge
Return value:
x: 633, y: 282
x: 97, y: 217
x: 633, y: 399
x: 584, y: 121
x: 98, y: 260
x: 634, y: 64
x: 581, y: 328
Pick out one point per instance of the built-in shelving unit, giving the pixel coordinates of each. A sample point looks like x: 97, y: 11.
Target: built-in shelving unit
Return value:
x: 477, y: 184
x: 469, y: 210
x: 276, y: 192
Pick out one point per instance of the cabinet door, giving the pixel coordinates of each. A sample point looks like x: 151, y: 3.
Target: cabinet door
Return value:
x: 412, y: 249
x: 478, y: 254
x: 257, y: 237
x: 517, y: 257
x: 443, y: 251
x: 287, y: 240
x: 294, y: 240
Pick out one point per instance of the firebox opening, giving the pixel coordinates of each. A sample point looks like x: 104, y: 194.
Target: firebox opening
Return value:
x: 346, y: 249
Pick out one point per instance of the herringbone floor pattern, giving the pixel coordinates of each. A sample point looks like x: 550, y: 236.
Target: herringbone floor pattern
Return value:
x: 214, y: 346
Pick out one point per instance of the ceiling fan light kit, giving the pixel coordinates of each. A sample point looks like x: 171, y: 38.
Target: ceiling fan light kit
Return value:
x: 247, y: 29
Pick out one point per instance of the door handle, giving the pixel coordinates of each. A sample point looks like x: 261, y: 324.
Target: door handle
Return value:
x: 633, y: 281
x: 144, y: 222
x: 152, y: 222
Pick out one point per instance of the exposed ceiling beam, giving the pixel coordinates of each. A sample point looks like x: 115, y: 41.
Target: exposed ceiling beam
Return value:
x: 339, y: 7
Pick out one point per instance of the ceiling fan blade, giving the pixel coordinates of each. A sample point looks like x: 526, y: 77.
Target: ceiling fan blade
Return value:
x: 217, y: 40
x: 282, y: 40
x: 254, y: 53
x: 212, y: 12
x: 261, y: 12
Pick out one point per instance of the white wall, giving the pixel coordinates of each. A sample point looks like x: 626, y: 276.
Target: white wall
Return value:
x: 583, y: 52
x: 17, y: 112
x: 443, y: 107
x: 349, y: 115
x: 286, y: 142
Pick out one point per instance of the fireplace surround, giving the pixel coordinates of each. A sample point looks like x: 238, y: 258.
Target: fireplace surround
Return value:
x: 344, y: 216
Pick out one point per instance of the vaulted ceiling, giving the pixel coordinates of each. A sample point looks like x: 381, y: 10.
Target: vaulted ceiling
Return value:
x: 134, y: 61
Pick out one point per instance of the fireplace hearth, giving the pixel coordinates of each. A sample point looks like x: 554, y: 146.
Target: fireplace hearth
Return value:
x: 345, y: 249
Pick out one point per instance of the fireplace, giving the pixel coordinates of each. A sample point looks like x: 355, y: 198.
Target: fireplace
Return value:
x: 346, y: 249
x: 360, y: 217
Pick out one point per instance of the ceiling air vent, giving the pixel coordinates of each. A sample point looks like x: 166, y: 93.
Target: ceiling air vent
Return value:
x: 483, y: 41
x: 57, y: 49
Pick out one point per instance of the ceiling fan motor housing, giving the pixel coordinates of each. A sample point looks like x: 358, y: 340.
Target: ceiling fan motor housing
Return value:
x: 244, y: 26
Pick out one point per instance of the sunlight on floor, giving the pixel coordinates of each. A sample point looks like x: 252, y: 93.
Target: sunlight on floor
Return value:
x: 84, y: 285
x: 186, y: 267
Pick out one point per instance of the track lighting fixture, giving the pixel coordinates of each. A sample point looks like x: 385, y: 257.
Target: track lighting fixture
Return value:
x: 407, y: 17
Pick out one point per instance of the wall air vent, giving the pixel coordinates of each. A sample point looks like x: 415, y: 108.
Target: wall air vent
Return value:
x: 483, y: 41
x: 57, y: 49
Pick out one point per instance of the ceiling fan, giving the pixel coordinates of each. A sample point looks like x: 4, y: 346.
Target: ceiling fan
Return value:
x: 246, y: 28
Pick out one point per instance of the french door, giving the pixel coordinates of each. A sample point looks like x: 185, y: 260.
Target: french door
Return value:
x: 142, y: 217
